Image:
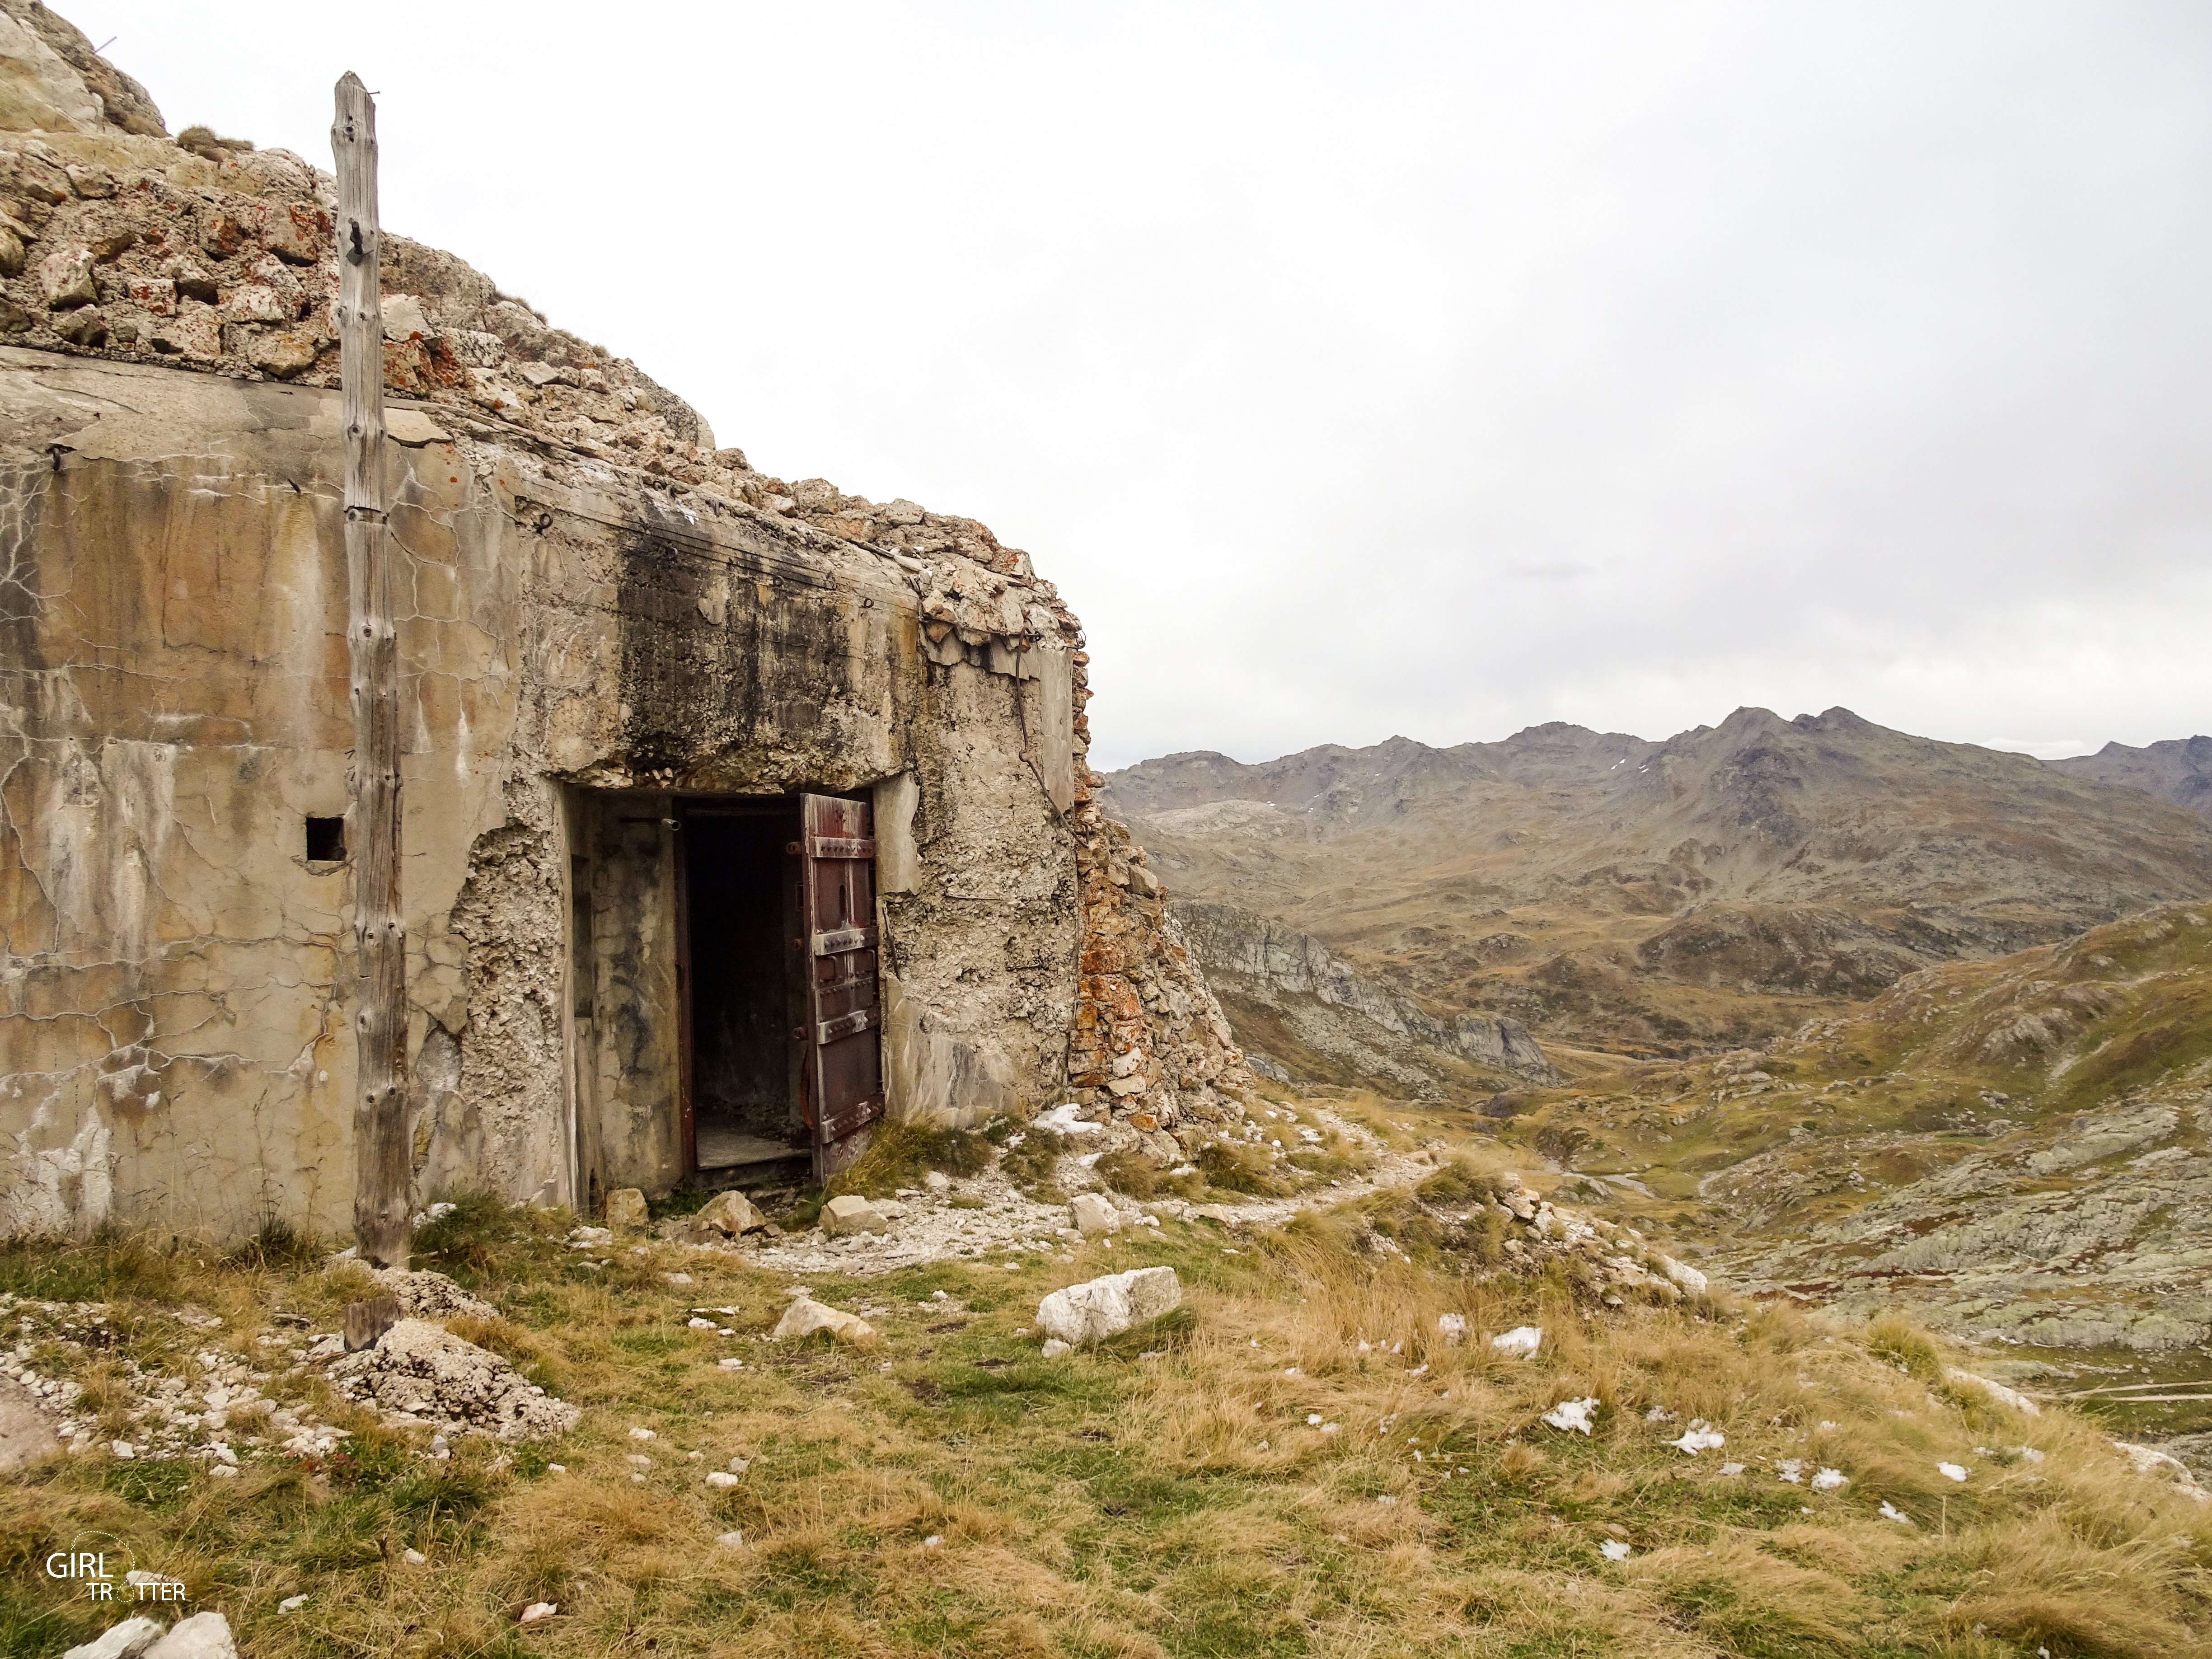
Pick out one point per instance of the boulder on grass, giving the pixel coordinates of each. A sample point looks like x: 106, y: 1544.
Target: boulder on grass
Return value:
x: 203, y: 1636
x: 727, y: 1215
x: 1092, y: 1213
x: 1100, y: 1308
x: 127, y: 1640
x: 805, y: 1316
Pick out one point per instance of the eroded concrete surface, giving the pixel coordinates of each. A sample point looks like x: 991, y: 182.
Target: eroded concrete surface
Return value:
x: 177, y: 975
x: 603, y: 615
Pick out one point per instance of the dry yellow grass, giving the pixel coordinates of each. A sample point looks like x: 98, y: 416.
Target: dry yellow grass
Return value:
x: 950, y: 1493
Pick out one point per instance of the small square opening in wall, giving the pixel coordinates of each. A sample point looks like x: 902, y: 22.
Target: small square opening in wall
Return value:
x: 326, y: 840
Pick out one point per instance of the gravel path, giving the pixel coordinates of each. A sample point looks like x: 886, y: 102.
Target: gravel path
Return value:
x: 981, y: 1217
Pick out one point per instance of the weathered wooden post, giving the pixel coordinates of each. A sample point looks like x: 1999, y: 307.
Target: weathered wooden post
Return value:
x: 380, y: 1123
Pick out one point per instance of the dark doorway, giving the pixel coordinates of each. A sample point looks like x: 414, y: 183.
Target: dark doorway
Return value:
x: 740, y: 897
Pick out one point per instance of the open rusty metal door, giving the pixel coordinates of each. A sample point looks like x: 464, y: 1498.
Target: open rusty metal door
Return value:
x: 840, y: 1042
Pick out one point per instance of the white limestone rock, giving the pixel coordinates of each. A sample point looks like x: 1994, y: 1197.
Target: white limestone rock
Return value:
x: 841, y: 1217
x: 1681, y: 1273
x: 726, y: 1214
x: 203, y: 1636
x: 1100, y: 1308
x: 805, y: 1316
x: 1093, y: 1212
x: 125, y: 1641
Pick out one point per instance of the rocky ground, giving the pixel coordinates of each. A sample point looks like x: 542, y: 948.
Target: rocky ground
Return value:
x: 2095, y: 1231
x: 185, y: 1392
x: 987, y: 1216
x: 983, y: 1216
x: 2018, y: 1152
x: 1421, y: 1409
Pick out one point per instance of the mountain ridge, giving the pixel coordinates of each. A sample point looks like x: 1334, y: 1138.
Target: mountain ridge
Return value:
x: 1607, y: 888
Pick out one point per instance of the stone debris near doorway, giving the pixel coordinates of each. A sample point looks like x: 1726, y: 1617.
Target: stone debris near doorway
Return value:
x: 984, y: 1216
x: 626, y: 1211
x: 846, y: 1215
x: 421, y: 1374
x: 727, y: 1215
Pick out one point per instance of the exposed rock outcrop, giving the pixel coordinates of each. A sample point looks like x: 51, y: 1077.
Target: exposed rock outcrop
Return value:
x: 1295, y: 974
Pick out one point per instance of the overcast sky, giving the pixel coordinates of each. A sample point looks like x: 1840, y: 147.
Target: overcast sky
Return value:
x: 1362, y: 370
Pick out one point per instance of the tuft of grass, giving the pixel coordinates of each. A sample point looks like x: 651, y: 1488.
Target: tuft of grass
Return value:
x: 901, y: 1151
x: 1139, y: 1175
x: 464, y: 1242
x: 1892, y: 1337
x: 1241, y: 1169
x: 1030, y: 1161
x: 1462, y: 1180
x: 275, y: 1244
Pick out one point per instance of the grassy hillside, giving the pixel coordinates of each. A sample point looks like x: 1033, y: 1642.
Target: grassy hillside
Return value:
x: 2016, y: 1149
x: 1295, y: 1462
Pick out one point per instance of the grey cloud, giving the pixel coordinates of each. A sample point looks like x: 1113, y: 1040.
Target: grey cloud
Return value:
x: 1427, y: 369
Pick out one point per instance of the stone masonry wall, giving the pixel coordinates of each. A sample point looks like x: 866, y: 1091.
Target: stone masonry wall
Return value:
x: 1150, y: 1045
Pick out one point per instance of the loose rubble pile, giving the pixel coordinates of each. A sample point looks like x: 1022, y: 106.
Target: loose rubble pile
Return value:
x: 1603, y: 1260
x: 225, y: 1409
x: 221, y: 1411
x: 419, y: 1374
x: 424, y: 1295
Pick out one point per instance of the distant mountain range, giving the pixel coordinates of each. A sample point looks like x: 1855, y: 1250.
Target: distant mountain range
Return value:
x: 2178, y: 769
x: 1658, y: 897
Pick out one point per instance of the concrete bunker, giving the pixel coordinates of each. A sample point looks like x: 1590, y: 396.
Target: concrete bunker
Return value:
x: 633, y: 672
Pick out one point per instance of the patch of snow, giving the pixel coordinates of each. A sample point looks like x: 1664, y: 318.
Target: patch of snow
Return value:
x: 1572, y: 1414
x: 1701, y: 1435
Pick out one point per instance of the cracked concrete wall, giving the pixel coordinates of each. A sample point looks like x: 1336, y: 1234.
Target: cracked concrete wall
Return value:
x: 599, y: 599
x: 174, y: 1048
